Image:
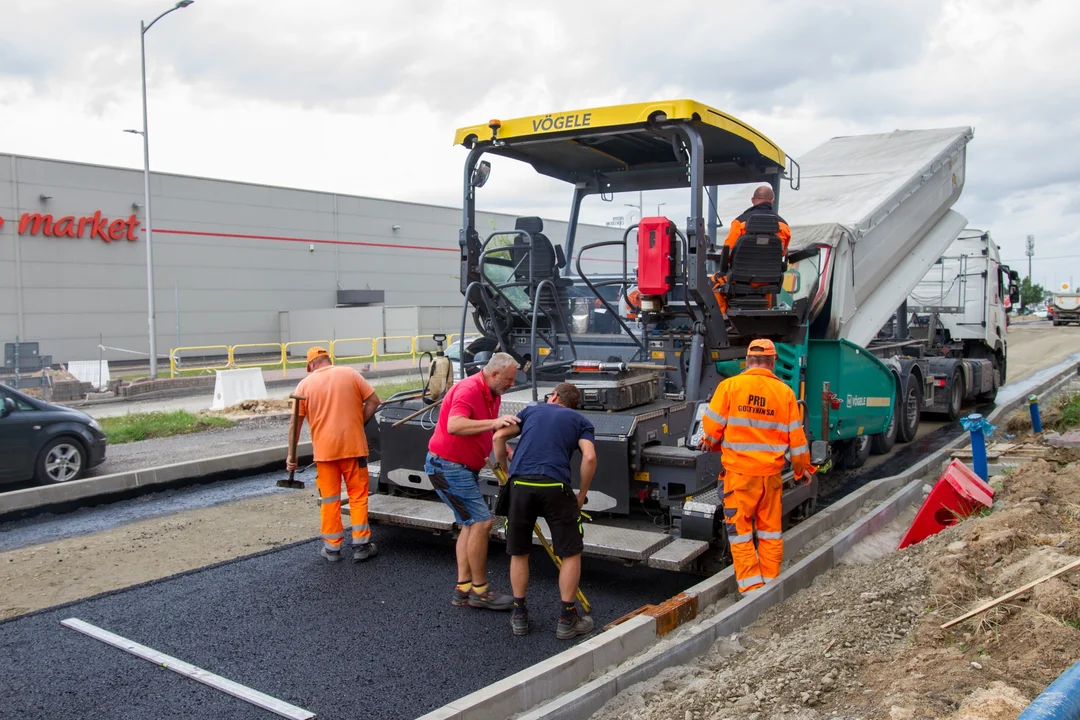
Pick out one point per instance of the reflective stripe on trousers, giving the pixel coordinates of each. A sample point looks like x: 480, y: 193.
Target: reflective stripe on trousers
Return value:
x: 330, y: 475
x: 754, y: 503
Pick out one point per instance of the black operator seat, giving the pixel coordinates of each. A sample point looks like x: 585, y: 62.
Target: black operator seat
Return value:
x: 547, y: 258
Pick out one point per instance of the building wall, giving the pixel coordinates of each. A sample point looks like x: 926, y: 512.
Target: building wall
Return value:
x: 239, y: 255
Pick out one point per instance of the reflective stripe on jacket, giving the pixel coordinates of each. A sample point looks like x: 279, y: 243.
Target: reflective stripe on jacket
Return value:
x: 738, y: 225
x: 753, y: 419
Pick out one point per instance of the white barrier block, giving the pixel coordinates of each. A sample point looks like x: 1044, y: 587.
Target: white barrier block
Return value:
x: 233, y: 386
x: 95, y: 372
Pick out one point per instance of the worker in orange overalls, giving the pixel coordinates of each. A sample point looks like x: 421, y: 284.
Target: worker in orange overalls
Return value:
x: 761, y: 203
x: 755, y: 419
x: 338, y: 403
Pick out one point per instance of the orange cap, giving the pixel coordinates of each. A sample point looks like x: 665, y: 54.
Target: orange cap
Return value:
x: 761, y: 348
x: 316, y: 352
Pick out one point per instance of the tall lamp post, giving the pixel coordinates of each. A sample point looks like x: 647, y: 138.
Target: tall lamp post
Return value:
x: 145, y: 132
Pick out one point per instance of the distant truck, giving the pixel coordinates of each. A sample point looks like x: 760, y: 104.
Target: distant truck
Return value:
x: 1064, y: 308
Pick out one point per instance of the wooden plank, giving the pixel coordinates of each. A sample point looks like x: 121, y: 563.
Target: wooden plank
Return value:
x: 1010, y: 595
x: 279, y: 707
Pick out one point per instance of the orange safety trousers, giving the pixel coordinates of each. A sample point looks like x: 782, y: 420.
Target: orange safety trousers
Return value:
x: 354, y: 472
x: 753, y: 506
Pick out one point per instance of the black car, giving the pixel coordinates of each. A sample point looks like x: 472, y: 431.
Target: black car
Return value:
x: 50, y: 443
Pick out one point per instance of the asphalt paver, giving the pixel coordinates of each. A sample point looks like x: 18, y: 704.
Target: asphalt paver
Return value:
x: 369, y: 640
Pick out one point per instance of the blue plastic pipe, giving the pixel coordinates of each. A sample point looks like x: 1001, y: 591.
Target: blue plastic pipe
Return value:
x: 1060, y: 701
x: 976, y: 426
x: 1033, y: 406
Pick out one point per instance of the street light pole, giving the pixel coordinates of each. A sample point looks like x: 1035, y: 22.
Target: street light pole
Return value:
x: 151, y: 312
x: 658, y: 208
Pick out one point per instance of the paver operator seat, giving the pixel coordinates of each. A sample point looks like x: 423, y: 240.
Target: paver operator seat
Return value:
x: 751, y: 278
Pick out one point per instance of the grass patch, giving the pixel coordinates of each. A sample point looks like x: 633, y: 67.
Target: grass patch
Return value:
x: 1070, y: 413
x: 386, y: 390
x: 143, y: 426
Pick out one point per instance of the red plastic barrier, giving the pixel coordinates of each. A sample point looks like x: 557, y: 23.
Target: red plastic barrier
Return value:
x: 959, y: 492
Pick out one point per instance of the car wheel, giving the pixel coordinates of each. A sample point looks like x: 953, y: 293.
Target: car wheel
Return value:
x: 61, y: 460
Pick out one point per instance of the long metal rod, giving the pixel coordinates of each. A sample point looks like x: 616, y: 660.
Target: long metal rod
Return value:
x: 150, y: 306
x: 256, y: 698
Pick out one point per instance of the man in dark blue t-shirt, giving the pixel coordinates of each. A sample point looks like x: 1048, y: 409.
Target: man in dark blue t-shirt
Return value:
x: 540, y: 487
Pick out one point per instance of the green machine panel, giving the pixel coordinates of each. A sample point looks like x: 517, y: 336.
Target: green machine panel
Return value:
x: 864, y: 386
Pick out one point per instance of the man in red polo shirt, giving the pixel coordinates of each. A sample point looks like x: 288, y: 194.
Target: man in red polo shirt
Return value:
x: 456, y: 453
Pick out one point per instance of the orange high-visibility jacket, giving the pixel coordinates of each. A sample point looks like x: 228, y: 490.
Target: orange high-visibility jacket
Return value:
x: 754, y: 418
x: 738, y: 225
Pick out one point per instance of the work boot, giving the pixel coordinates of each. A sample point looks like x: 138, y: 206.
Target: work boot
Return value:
x: 519, y: 623
x: 361, y: 553
x: 490, y: 600
x: 331, y: 555
x: 570, y: 627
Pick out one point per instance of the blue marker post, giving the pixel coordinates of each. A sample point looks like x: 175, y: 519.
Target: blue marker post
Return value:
x: 979, y: 428
x: 1036, y: 419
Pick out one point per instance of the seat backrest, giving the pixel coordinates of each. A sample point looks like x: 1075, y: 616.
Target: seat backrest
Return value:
x: 758, y: 255
x: 545, y: 259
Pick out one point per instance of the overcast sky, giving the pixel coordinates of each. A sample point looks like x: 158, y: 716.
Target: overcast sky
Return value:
x: 363, y: 97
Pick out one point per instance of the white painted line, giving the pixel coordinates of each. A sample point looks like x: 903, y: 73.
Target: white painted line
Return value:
x: 279, y: 707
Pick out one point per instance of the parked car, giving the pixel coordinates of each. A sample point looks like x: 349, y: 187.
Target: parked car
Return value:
x: 45, y: 442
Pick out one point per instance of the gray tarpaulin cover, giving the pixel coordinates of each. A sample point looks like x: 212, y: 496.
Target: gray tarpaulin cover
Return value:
x: 850, y: 183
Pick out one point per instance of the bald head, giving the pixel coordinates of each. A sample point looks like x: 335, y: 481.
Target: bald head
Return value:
x: 763, y: 194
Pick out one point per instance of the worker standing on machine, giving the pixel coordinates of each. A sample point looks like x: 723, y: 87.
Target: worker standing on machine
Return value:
x: 338, y: 402
x: 458, y: 450
x: 540, y: 487
x: 755, y: 419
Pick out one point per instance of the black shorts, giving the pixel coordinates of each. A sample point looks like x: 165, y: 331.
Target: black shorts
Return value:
x: 536, y: 496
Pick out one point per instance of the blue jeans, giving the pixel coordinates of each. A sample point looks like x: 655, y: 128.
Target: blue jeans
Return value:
x: 459, y: 487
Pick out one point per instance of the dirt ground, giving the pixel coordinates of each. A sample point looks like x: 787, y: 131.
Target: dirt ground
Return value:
x: 1035, y: 346
x: 64, y: 570
x: 252, y: 408
x: 865, y: 640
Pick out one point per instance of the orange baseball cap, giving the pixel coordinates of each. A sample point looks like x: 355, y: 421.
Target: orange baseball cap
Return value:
x: 316, y: 352
x: 761, y: 348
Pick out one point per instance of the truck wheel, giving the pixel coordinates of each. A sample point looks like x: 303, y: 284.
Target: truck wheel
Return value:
x: 991, y: 395
x: 956, y: 395
x: 910, y: 410
x: 882, y: 443
x: 854, y: 452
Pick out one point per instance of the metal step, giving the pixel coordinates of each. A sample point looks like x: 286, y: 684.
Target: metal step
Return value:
x: 678, y: 554
x: 600, y: 540
x: 606, y: 541
x: 409, y: 512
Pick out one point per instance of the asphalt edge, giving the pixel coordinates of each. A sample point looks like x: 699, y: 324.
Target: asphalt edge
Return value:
x: 578, y: 682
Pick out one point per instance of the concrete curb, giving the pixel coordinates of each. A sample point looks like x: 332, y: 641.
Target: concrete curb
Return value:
x: 558, y: 681
x: 38, y: 499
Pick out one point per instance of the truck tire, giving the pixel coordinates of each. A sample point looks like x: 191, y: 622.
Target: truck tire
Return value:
x: 956, y: 395
x: 882, y: 443
x: 910, y: 410
x: 854, y: 452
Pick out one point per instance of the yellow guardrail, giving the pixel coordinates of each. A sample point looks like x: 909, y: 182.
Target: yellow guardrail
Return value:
x: 276, y: 355
x: 175, y: 361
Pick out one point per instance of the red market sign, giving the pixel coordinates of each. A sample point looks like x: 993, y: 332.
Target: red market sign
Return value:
x: 70, y: 226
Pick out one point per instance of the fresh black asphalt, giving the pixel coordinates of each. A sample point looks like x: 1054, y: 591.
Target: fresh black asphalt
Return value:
x: 372, y: 640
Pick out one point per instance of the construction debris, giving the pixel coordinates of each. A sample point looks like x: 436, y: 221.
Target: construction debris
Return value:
x: 879, y: 621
